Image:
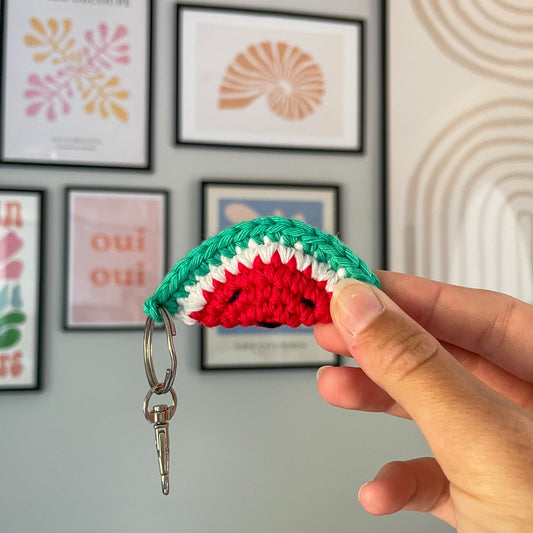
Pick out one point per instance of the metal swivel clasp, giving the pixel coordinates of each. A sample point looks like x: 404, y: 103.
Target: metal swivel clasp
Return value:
x: 160, y: 414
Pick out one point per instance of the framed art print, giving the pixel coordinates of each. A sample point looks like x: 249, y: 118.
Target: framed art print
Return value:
x: 116, y: 255
x: 226, y: 203
x: 76, y: 83
x: 460, y: 143
x: 21, y: 282
x: 269, y: 79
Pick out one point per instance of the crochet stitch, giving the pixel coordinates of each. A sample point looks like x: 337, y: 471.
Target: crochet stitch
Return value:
x: 264, y: 272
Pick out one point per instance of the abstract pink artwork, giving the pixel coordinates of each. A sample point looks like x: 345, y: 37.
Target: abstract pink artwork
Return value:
x: 116, y: 255
x: 83, y: 70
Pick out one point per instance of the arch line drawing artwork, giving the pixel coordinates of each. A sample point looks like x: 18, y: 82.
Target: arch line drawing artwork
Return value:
x: 471, y: 196
x: 489, y: 37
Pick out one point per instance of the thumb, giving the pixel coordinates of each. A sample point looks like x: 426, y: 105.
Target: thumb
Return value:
x: 411, y: 365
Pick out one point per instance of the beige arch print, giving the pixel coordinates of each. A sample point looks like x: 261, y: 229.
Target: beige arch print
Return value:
x: 478, y: 245
x: 456, y: 162
x: 431, y: 174
x: 452, y: 204
x: 516, y: 7
x: 513, y: 64
x: 516, y: 208
x: 518, y: 27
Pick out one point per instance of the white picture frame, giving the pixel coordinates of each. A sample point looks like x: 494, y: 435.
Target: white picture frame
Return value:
x: 76, y: 83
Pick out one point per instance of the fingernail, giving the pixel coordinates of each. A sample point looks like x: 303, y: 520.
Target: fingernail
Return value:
x: 360, y: 489
x: 320, y: 370
x: 355, y: 305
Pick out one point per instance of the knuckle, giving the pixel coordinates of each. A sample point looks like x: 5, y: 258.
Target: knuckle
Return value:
x: 496, y: 332
x: 406, y: 352
x: 427, y: 312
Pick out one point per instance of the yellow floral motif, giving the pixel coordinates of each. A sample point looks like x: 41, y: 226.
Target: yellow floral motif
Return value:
x: 48, y: 36
x: 103, y: 100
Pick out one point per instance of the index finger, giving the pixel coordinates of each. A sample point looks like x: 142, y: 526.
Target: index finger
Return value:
x: 493, y: 325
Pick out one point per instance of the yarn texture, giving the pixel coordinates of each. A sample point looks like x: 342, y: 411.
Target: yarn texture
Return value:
x: 264, y: 272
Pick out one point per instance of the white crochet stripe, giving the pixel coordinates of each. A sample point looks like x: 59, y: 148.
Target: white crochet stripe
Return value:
x: 319, y: 271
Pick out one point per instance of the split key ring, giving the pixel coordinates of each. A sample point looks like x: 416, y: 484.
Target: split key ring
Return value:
x: 170, y: 328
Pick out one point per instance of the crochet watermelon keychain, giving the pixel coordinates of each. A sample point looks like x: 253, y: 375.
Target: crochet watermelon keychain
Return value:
x: 266, y: 272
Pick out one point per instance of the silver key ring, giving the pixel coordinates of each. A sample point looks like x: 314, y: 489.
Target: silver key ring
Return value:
x: 170, y: 329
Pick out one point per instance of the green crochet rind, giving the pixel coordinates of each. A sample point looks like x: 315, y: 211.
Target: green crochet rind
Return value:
x: 325, y: 247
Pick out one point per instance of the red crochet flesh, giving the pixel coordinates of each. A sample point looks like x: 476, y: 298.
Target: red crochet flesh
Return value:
x: 266, y: 295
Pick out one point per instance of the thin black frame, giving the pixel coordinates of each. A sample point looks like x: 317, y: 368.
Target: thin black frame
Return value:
x: 360, y: 127
x: 165, y: 239
x: 148, y: 166
x: 383, y: 5
x: 228, y: 183
x: 38, y: 348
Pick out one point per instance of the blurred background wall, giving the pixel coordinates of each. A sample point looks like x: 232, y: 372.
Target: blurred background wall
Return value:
x: 251, y: 451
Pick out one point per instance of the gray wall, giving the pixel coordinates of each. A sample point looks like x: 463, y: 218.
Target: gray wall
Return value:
x: 251, y: 451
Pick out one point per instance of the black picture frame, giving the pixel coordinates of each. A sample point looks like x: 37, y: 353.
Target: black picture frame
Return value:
x: 28, y: 135
x: 109, y: 274
x: 22, y: 231
x: 328, y: 126
x: 255, y: 348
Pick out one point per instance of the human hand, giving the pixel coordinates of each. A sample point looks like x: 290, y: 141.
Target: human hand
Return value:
x: 470, y: 392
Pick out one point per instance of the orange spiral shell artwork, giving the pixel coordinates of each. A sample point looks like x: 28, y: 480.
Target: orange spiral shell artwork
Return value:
x: 289, y: 77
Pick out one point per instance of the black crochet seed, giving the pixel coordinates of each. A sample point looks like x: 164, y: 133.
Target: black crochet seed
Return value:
x: 307, y: 302
x: 234, y: 296
x: 269, y: 325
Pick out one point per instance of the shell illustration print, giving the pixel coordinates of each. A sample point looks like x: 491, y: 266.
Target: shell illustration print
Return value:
x: 291, y: 80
